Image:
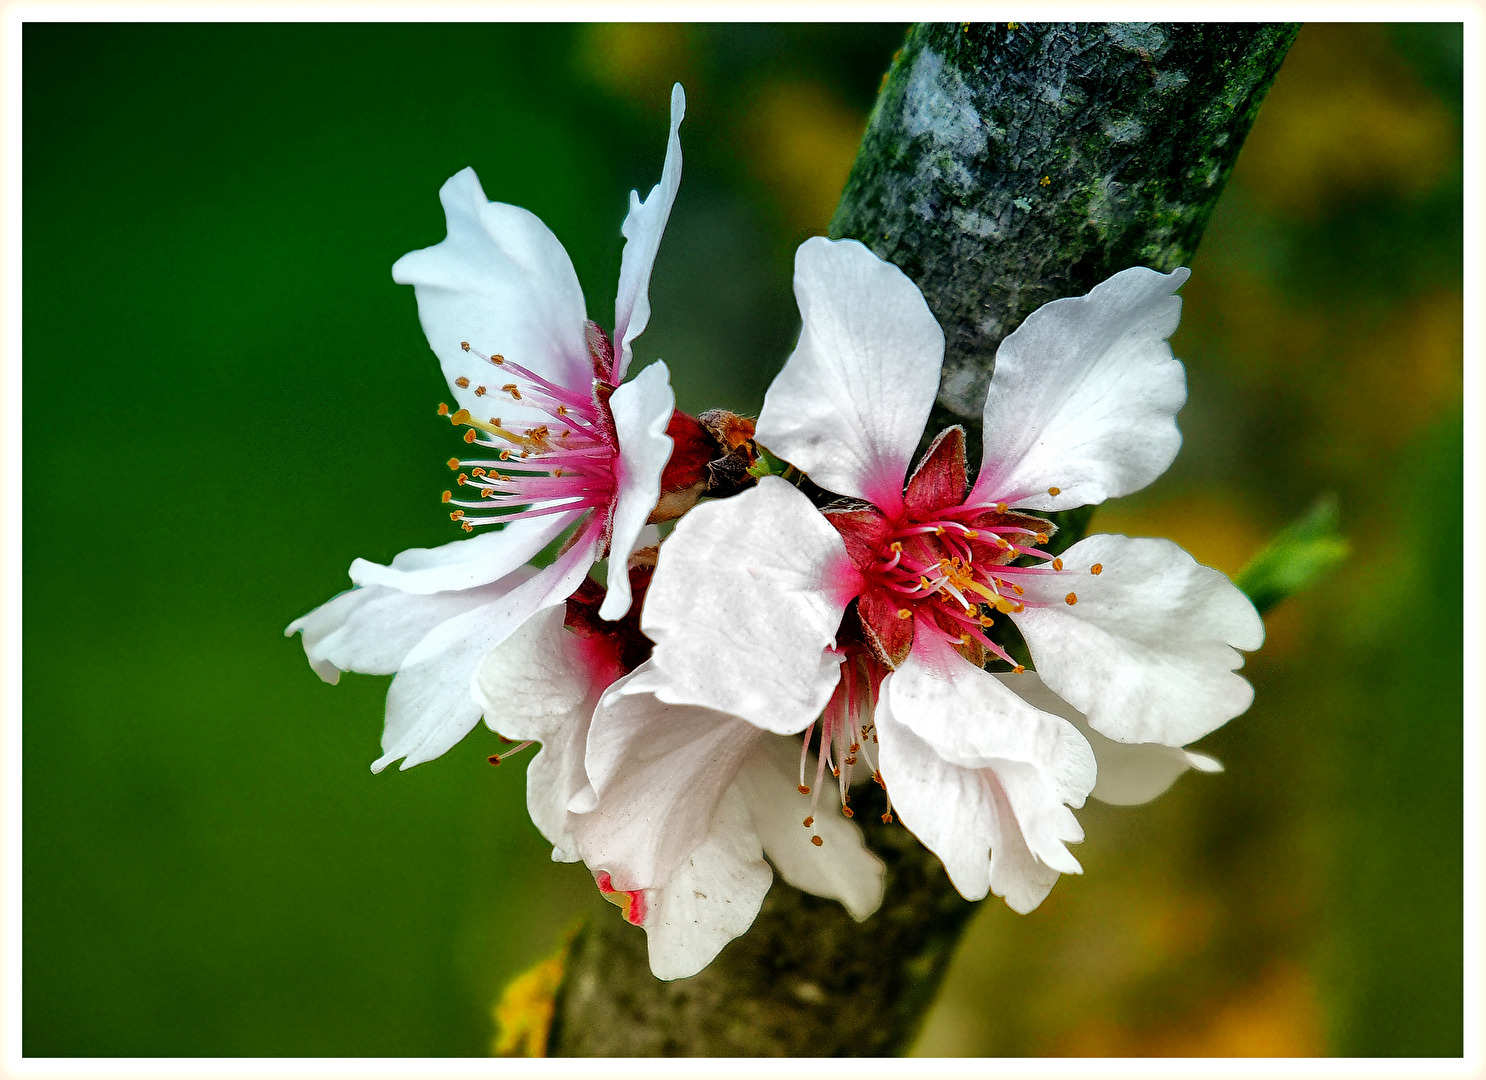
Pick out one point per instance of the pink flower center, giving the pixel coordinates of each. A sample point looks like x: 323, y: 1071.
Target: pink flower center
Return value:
x: 950, y: 575
x: 555, y: 463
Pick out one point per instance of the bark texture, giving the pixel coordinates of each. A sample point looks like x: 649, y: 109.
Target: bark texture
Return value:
x: 1004, y: 166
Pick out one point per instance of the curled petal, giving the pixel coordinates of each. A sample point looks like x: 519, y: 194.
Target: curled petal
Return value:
x: 642, y: 408
x: 713, y: 896
x: 1129, y: 773
x: 371, y: 629
x: 465, y: 564
x: 1148, y: 648
x: 429, y: 705
x: 501, y: 282
x: 659, y: 772
x: 967, y: 817
x: 1083, y: 400
x: 542, y: 683
x: 853, y: 397
x: 745, y: 602
x: 642, y: 231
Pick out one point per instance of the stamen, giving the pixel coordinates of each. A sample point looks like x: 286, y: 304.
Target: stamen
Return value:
x: 1071, y: 599
x: 1097, y: 568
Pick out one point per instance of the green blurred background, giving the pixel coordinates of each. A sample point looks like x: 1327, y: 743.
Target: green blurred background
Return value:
x: 210, y: 217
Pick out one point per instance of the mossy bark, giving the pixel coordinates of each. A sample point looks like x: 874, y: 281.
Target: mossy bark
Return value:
x: 1004, y: 166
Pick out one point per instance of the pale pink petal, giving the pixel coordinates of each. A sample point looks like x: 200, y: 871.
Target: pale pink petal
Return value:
x: 851, y: 403
x: 746, y: 599
x: 642, y: 408
x: 964, y: 815
x: 465, y: 564
x: 713, y: 896
x: 642, y: 231
x: 429, y: 705
x: 1129, y: 773
x: 501, y: 282
x: 842, y: 867
x: 371, y: 629
x: 659, y: 772
x: 542, y: 683
x: 1084, y: 396
x: 1148, y: 649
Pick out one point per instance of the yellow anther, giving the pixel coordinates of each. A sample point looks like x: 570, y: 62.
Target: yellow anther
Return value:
x: 456, y: 515
x: 1018, y: 670
x: 846, y: 811
x: 1018, y: 589
x: 497, y: 359
x: 462, y: 382
x: 460, y: 417
x: 938, y: 530
x: 443, y: 409
x: 512, y: 389
x: 446, y: 496
x: 1054, y: 491
x: 453, y: 463
x: 1057, y: 564
x: 469, y: 436
x: 562, y: 410
x: 971, y: 534
x: 462, y: 479
x: 465, y: 345
x: 809, y: 821
x: 1000, y: 508
x: 1097, y: 568
x: 477, y: 471
x: 556, y: 472
x: 1042, y: 538
x: 480, y: 391
x: 1071, y: 599
x: 986, y: 620
x: 817, y: 841
x: 466, y: 526
x: 887, y: 819
x: 804, y: 789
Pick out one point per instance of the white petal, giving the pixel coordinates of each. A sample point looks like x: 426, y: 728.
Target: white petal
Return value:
x: 429, y: 705
x: 842, y: 868
x: 642, y: 408
x: 542, y: 683
x: 659, y: 771
x: 1084, y: 396
x: 747, y: 596
x: 965, y: 816
x: 713, y: 896
x: 642, y: 231
x: 1148, y: 651
x: 501, y: 282
x: 1129, y: 773
x: 371, y: 629
x: 971, y: 719
x: 465, y: 564
x: 851, y: 403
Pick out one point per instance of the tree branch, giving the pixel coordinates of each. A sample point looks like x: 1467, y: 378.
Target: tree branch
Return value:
x: 1003, y: 166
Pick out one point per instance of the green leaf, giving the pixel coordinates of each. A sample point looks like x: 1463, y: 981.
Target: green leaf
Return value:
x: 1303, y: 552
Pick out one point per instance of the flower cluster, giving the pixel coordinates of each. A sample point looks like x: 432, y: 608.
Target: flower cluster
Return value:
x: 909, y: 627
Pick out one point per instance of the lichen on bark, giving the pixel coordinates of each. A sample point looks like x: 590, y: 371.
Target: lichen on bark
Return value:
x: 1003, y: 166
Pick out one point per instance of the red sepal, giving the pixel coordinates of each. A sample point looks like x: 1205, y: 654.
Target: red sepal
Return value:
x: 889, y: 634
x: 862, y: 531
x: 940, y: 480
